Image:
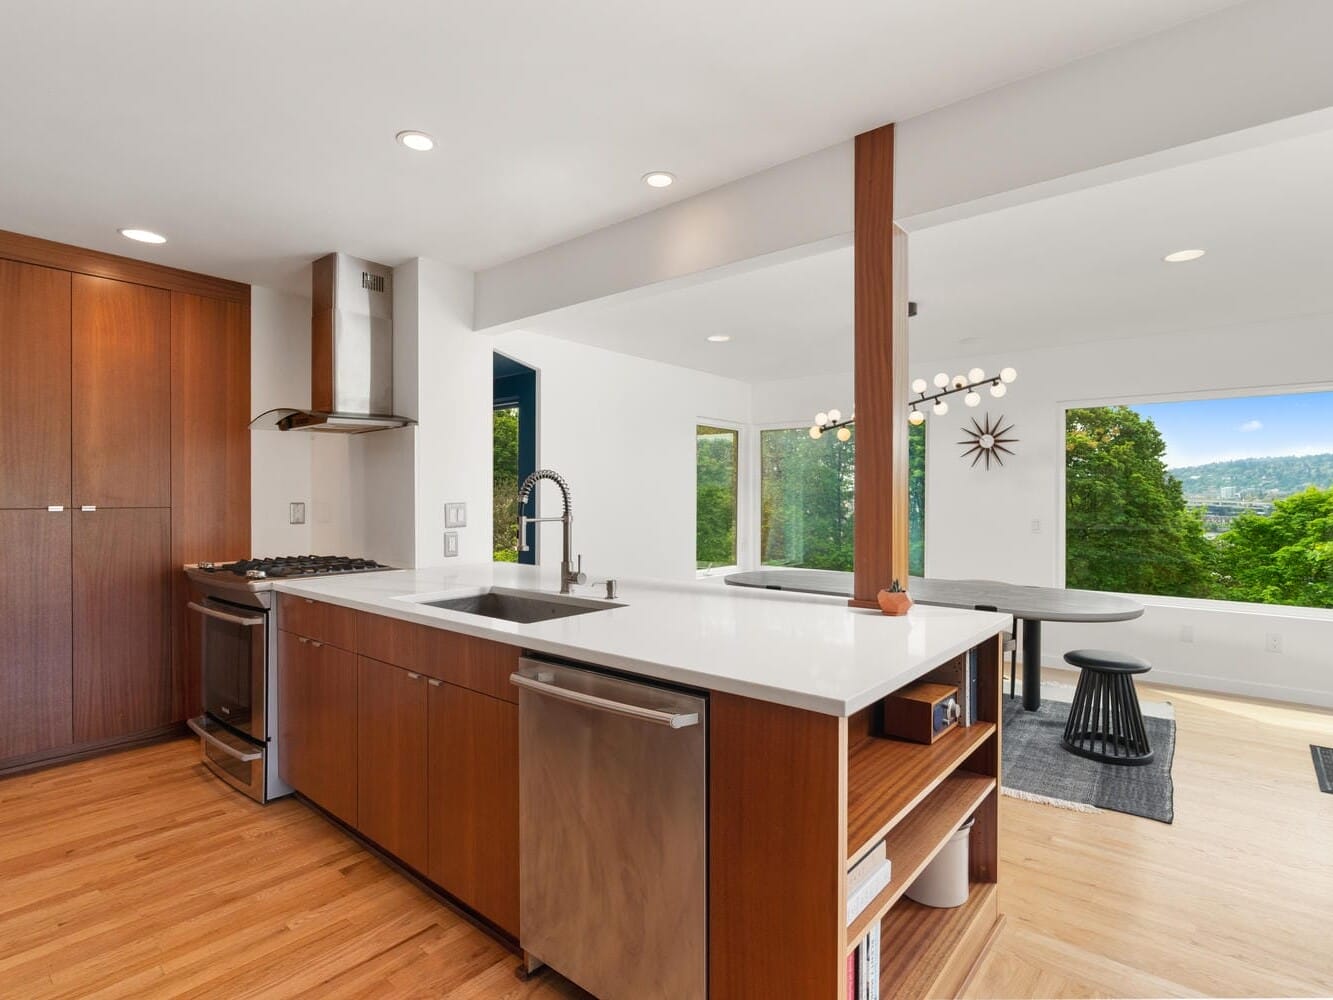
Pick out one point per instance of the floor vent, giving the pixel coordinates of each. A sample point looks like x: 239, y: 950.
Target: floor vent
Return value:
x: 1323, y: 766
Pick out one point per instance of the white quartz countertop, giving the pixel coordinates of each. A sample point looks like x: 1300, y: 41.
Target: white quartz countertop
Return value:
x: 801, y: 650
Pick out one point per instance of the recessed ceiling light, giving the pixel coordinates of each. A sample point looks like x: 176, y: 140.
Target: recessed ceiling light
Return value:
x: 416, y: 141
x: 659, y: 179
x: 143, y: 236
x: 1180, y: 256
x: 719, y: 338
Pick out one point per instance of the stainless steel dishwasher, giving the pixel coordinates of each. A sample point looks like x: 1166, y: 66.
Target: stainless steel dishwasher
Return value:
x: 613, y: 818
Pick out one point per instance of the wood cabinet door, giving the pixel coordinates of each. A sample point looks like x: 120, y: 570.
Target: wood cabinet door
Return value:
x: 473, y: 782
x: 122, y: 597
x: 210, y: 454
x: 121, y: 393
x: 34, y: 632
x: 34, y: 386
x: 391, y: 752
x: 317, y: 720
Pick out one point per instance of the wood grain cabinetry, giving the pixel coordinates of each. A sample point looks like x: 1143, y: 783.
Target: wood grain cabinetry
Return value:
x: 473, y: 796
x: 318, y: 620
x: 34, y: 386
x: 391, y: 759
x: 121, y: 335
x: 317, y: 723
x: 34, y: 632
x: 124, y: 386
x: 122, y: 592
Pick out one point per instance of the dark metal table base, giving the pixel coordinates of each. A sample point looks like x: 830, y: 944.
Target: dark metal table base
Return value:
x: 1031, y: 664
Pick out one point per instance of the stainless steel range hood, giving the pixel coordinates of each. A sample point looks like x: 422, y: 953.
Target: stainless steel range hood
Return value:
x: 351, y: 353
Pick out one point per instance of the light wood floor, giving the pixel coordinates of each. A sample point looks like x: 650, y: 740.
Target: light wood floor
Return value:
x: 138, y: 875
x: 1235, y: 898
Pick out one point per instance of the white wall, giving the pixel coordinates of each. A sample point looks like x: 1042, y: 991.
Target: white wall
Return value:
x: 621, y: 430
x: 980, y: 524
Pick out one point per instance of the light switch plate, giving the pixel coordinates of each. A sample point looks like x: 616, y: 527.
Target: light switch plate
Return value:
x: 455, y: 515
x: 296, y: 513
x: 450, y: 544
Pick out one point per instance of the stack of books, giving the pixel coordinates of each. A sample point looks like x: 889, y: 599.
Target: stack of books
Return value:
x: 868, y: 879
x: 863, y: 967
x: 864, y: 882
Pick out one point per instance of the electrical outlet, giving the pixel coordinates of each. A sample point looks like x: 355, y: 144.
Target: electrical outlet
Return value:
x: 450, y: 544
x: 1187, y: 633
x: 1273, y: 642
x: 455, y: 515
x: 296, y: 513
x: 1036, y: 526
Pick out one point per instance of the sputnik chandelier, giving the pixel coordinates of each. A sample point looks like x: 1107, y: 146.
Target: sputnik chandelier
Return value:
x: 944, y: 386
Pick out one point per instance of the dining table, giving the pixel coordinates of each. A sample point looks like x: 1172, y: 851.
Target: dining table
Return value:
x: 1027, y: 604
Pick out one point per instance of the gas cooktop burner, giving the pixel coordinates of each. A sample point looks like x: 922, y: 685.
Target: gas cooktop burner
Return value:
x: 281, y: 567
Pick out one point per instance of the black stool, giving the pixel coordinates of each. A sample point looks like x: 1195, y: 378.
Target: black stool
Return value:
x: 1105, y: 722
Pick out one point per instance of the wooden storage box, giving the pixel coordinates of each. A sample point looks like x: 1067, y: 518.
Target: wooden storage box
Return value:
x: 921, y: 713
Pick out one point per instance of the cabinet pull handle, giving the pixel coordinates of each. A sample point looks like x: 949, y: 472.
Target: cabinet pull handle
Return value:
x: 88, y: 507
x: 309, y: 600
x: 55, y: 508
x: 301, y: 638
x: 316, y: 643
x: 433, y: 682
x: 415, y: 677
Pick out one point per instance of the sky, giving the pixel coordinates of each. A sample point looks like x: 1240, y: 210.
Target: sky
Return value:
x: 1198, y: 431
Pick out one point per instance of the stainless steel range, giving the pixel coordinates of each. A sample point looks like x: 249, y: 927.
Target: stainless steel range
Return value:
x: 237, y: 659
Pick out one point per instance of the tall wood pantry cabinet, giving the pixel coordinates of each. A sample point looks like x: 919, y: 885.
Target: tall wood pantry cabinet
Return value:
x: 124, y: 453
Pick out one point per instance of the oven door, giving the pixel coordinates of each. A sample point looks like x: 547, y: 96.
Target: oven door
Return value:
x: 232, y: 647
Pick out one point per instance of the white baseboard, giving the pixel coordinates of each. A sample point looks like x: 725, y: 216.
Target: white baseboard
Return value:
x: 1219, y: 685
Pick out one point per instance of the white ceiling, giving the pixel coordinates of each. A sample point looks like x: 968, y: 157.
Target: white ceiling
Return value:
x: 1080, y: 267
x: 258, y: 136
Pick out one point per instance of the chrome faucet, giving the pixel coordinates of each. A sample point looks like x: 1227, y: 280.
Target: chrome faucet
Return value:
x: 569, y: 575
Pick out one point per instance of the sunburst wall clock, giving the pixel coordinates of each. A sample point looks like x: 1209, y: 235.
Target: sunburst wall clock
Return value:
x: 988, y: 440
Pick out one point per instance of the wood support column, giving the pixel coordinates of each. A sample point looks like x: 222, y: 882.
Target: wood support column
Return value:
x: 881, y: 374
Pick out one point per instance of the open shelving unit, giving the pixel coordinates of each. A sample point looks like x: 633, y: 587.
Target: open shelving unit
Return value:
x: 796, y: 798
x: 915, y: 797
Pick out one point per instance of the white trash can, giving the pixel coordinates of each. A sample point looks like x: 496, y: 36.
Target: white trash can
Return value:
x: 944, y: 882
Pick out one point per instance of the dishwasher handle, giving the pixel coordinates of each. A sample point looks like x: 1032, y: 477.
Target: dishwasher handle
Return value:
x: 675, y: 720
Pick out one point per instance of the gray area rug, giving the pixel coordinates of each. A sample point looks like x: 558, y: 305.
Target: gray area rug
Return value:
x: 1037, y: 768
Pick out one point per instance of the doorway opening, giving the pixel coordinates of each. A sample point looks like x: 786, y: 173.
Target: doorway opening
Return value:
x: 514, y: 453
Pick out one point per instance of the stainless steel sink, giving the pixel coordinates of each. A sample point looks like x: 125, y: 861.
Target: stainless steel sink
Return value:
x: 520, y: 606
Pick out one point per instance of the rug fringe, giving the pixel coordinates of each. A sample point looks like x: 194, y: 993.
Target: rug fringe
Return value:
x: 1047, y: 800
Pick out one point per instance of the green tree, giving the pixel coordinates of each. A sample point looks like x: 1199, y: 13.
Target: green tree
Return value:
x: 504, y: 483
x: 916, y: 500
x: 806, y: 500
x: 1283, y: 558
x: 1127, y: 526
x: 715, y: 496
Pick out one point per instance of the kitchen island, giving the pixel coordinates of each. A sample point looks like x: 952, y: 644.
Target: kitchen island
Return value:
x: 802, y: 782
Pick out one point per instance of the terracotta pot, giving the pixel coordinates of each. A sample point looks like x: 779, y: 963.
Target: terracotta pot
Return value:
x: 894, y: 602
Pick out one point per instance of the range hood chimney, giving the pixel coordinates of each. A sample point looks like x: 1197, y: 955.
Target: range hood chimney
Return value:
x: 351, y: 352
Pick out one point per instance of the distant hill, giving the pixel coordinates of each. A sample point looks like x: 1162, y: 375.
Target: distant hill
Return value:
x: 1285, y: 474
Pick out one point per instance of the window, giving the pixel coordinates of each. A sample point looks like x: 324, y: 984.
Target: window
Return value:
x: 1227, y: 499
x: 717, y: 465
x: 504, y: 479
x: 806, y: 499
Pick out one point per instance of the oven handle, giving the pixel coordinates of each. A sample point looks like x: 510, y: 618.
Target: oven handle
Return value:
x: 223, y: 616
x: 226, y: 748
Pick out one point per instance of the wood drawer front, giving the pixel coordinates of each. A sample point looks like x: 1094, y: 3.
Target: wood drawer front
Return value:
x: 477, y: 664
x: 319, y: 620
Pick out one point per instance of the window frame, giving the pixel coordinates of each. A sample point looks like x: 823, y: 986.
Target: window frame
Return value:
x: 747, y: 504
x: 1062, y: 406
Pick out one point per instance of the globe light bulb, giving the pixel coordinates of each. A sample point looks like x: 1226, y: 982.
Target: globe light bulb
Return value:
x: 916, y: 418
x: 834, y: 416
x: 976, y: 375
x: 998, y: 390
x: 941, y: 408
x: 918, y: 385
x: 821, y: 418
x: 941, y: 380
x: 959, y: 381
x: 816, y: 433
x: 1008, y: 374
x: 844, y: 434
x: 972, y: 398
